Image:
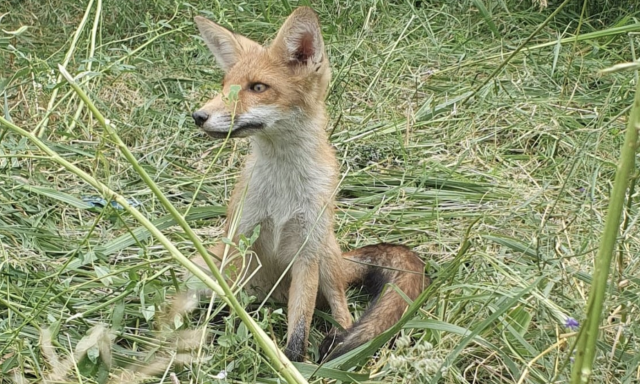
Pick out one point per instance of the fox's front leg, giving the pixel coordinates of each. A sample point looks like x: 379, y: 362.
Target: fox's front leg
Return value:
x: 333, y: 283
x: 302, y: 300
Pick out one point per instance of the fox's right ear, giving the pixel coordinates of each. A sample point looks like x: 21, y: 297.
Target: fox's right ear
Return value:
x: 299, y: 40
x: 225, y: 45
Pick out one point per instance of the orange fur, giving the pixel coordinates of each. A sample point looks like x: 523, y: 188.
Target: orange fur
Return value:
x: 287, y: 187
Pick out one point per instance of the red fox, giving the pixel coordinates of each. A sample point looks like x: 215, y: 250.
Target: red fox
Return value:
x: 287, y: 187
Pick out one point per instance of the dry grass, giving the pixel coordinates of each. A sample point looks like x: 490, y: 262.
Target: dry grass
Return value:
x: 525, y: 167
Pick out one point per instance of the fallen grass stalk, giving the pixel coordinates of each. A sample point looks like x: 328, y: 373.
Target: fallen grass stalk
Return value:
x: 280, y: 361
x: 277, y: 358
x: 586, y: 349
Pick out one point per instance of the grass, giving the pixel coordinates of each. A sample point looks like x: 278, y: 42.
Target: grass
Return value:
x: 523, y: 171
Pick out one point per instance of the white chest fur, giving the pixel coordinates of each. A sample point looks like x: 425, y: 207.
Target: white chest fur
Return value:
x: 288, y: 185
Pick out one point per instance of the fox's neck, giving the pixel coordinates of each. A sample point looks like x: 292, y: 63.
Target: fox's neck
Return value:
x: 295, y: 141
x: 292, y: 171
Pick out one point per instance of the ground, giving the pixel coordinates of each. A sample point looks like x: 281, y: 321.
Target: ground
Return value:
x: 496, y: 169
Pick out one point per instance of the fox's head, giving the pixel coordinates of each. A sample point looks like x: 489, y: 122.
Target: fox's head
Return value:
x: 276, y: 85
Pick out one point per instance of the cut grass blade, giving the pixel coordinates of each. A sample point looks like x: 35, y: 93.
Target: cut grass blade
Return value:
x: 90, y: 57
x: 513, y: 244
x: 60, y: 196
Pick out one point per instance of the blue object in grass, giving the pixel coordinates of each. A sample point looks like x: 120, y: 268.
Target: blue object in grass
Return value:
x: 571, y: 323
x: 99, y: 202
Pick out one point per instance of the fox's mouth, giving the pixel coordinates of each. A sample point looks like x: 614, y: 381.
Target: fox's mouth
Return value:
x: 221, y: 125
x: 240, y: 130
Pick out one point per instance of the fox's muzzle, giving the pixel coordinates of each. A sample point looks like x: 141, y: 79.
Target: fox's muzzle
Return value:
x: 220, y: 125
x: 239, y: 130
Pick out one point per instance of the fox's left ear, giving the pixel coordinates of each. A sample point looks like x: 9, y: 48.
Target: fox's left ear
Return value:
x: 300, y: 38
x: 225, y: 45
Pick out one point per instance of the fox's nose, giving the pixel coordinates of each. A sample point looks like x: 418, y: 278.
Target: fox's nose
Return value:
x: 200, y: 117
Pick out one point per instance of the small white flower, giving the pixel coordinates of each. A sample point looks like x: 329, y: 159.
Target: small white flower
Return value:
x: 397, y: 362
x: 221, y: 375
x: 424, y: 346
x: 403, y: 342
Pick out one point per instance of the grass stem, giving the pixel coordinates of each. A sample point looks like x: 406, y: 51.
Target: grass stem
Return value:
x: 586, y: 348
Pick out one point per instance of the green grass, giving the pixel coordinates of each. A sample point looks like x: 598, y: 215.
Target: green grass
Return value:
x: 525, y: 168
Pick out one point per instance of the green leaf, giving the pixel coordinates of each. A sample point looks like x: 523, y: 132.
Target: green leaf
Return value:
x: 311, y: 370
x: 486, y: 16
x: 234, y: 90
x: 513, y: 244
x: 117, y: 316
x: 148, y: 312
x: 514, y: 326
x: 519, y: 319
x: 102, y: 273
x: 60, y: 196
x: 141, y: 233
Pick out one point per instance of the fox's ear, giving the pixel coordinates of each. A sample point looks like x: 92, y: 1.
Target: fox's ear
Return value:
x: 300, y: 38
x: 225, y: 45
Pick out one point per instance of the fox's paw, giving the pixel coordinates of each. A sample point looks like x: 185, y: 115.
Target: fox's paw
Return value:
x: 330, y: 342
x: 294, y: 354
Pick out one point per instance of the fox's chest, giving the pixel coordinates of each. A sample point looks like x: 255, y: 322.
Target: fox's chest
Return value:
x: 276, y: 196
x: 285, y: 201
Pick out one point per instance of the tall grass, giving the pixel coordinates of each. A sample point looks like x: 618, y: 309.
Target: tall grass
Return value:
x: 479, y: 133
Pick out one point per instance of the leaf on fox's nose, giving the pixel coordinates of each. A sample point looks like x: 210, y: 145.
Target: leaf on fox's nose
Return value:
x: 233, y: 92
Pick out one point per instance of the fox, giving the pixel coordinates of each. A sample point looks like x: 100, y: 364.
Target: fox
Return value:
x: 287, y: 187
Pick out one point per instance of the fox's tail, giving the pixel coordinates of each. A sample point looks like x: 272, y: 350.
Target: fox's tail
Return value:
x: 374, y: 267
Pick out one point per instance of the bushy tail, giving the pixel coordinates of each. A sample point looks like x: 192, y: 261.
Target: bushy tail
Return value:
x: 373, y: 267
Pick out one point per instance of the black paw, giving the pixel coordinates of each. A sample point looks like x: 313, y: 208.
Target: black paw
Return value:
x: 294, y: 355
x: 330, y: 342
x: 297, y: 343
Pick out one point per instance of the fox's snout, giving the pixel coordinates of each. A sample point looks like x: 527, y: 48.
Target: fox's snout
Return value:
x: 200, y: 117
x: 221, y: 124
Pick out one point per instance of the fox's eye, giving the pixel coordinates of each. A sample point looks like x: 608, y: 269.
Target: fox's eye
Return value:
x: 258, y: 87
